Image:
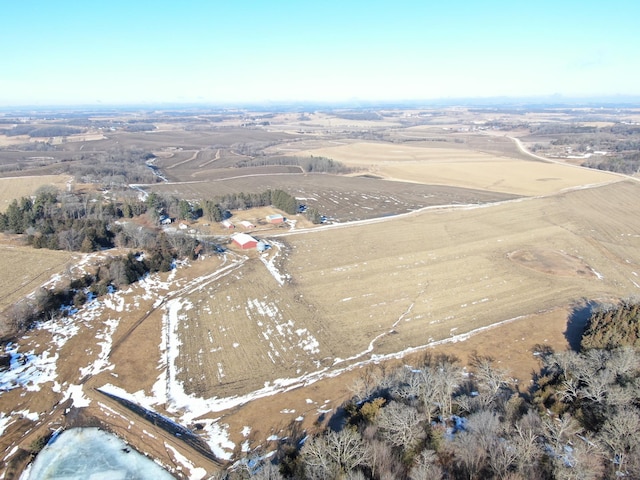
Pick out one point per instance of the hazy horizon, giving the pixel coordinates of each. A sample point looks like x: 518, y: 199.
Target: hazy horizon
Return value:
x: 65, y: 53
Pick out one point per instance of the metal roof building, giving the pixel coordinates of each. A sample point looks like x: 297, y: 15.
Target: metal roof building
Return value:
x: 244, y: 241
x: 275, y: 218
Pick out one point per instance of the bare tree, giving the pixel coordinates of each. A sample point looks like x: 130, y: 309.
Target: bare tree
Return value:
x: 597, y: 385
x: 526, y: 441
x: 21, y: 315
x: 267, y: 471
x: 619, y: 435
x: 408, y: 386
x: 482, y: 445
x: 570, y: 390
x: 425, y: 467
x: 469, y: 456
x: 365, y: 385
x: 624, y: 362
x: 334, y: 453
x: 428, y: 392
x: 585, y: 462
x: 400, y: 425
x: 560, y: 430
x: 447, y: 378
x: 355, y: 475
x: 490, y: 378
x: 385, y: 462
x: 70, y: 239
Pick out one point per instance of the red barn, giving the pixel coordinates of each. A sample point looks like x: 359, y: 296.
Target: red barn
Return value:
x: 275, y: 218
x: 244, y: 241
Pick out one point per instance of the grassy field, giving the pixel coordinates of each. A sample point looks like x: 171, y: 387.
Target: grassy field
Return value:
x: 504, y: 241
x: 388, y: 286
x: 469, y: 168
x: 18, y: 187
x: 26, y: 269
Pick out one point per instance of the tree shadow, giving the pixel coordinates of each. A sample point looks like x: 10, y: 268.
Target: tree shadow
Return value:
x: 338, y: 420
x: 576, y: 324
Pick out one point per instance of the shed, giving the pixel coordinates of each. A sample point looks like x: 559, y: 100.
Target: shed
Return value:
x: 244, y: 241
x: 228, y: 224
x: 275, y: 218
x: 247, y: 224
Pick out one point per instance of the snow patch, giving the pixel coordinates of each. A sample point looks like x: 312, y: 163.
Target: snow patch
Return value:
x: 195, y: 473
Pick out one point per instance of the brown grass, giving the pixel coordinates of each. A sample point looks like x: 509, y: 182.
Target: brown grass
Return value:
x: 363, y: 292
x: 18, y: 187
x: 462, y: 168
x: 25, y: 269
x: 408, y: 281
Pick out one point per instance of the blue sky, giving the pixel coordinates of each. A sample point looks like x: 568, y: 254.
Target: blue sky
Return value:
x: 85, y: 52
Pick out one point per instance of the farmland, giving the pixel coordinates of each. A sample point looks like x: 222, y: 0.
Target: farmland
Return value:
x: 16, y: 187
x: 439, y: 232
x: 29, y: 270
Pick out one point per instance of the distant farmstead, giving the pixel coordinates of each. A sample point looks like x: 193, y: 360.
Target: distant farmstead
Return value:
x: 275, y: 218
x: 244, y: 241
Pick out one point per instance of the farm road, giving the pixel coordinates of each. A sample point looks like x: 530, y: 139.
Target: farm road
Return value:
x: 524, y: 150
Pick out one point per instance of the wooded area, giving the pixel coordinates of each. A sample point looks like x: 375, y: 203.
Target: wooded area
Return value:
x: 440, y: 420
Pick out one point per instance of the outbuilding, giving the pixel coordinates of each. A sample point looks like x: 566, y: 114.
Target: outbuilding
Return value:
x: 275, y: 218
x: 244, y: 241
x: 247, y: 224
x: 228, y: 224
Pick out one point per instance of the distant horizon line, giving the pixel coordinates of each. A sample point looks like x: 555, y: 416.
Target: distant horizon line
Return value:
x: 555, y: 100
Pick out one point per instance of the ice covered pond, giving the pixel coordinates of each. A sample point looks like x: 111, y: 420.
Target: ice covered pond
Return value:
x: 92, y: 454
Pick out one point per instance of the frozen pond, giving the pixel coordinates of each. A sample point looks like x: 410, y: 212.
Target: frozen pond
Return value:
x: 92, y: 454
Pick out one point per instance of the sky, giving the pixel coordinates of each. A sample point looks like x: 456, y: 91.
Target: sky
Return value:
x: 64, y: 52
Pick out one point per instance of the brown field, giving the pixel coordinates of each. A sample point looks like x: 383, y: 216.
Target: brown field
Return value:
x: 18, y: 187
x: 474, y: 246
x: 13, y: 140
x: 468, y: 169
x: 25, y: 269
x: 338, y: 197
x: 413, y: 280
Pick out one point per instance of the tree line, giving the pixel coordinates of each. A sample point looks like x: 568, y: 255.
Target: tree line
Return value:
x: 217, y: 209
x: 579, y: 418
x: 86, y: 223
x: 62, y: 222
x: 310, y: 164
x: 36, y: 131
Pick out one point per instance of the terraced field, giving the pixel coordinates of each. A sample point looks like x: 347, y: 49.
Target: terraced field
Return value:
x: 450, y: 244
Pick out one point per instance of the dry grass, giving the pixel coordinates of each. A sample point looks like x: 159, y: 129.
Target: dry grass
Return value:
x: 462, y: 168
x: 360, y: 292
x: 17, y: 187
x: 13, y: 140
x: 26, y: 269
x: 408, y: 281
